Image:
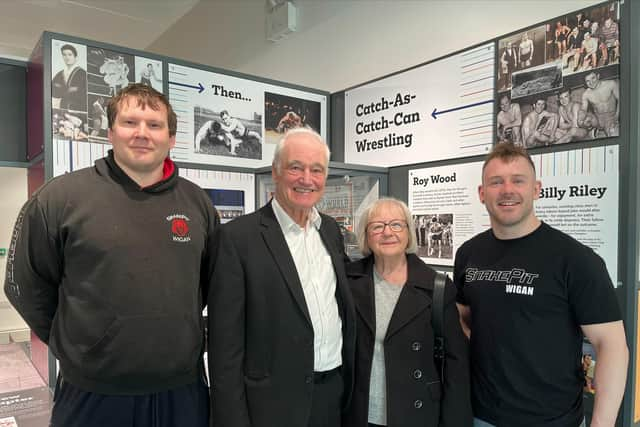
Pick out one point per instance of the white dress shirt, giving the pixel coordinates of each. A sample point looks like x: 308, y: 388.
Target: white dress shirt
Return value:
x: 318, y: 280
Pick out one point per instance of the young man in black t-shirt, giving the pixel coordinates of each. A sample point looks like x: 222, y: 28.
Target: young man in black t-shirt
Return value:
x: 527, y: 293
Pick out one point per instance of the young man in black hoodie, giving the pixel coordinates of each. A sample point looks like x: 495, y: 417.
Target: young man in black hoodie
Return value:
x: 110, y: 266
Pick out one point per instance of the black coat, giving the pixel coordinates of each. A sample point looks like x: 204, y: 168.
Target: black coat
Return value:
x: 415, y: 396
x: 260, y: 333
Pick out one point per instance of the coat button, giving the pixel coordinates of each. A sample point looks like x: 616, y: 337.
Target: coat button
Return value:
x: 416, y: 346
x: 417, y: 374
x: 417, y: 404
x: 308, y: 379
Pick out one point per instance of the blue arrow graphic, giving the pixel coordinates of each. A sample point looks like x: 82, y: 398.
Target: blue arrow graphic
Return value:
x: 435, y: 112
x: 199, y: 87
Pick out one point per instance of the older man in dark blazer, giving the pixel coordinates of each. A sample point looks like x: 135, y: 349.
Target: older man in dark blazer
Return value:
x: 281, y: 318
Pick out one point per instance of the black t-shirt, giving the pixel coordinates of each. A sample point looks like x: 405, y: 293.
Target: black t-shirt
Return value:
x: 528, y: 298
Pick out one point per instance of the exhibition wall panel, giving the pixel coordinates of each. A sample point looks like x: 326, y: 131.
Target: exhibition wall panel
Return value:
x: 74, y: 79
x: 440, y: 110
x: 83, y: 76
x: 558, y: 82
x: 80, y: 76
x: 564, y: 89
x: 234, y: 121
x: 578, y: 187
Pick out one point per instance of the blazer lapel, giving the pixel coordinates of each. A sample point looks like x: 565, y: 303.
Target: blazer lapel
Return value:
x: 362, y: 291
x: 275, y: 241
x: 410, y: 304
x: 413, y: 299
x: 364, y: 301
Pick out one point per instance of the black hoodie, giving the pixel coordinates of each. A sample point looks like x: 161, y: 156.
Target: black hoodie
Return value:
x: 113, y: 277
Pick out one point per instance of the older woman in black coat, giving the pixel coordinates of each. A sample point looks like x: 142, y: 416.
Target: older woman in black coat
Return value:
x: 397, y: 383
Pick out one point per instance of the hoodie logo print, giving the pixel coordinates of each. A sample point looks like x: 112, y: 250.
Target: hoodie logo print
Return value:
x: 179, y: 228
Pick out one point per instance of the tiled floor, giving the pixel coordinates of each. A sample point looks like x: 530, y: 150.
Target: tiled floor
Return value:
x: 25, y: 399
x: 16, y: 370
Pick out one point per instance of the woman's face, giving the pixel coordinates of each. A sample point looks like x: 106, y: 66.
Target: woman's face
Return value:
x: 387, y: 231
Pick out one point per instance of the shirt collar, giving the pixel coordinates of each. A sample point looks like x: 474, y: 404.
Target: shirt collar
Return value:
x: 287, y: 223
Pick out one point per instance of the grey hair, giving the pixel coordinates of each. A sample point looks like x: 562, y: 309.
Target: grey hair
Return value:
x: 276, y: 164
x: 361, y: 228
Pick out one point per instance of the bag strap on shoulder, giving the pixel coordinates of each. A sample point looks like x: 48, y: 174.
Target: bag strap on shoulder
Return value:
x: 437, y: 321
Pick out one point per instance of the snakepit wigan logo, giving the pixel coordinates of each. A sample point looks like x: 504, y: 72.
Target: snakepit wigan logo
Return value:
x: 516, y: 280
x: 179, y: 228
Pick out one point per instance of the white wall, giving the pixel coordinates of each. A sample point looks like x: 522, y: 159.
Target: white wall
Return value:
x: 342, y: 43
x: 13, y: 194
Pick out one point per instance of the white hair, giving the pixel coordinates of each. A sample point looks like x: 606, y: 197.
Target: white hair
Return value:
x: 277, y: 163
x: 367, y: 213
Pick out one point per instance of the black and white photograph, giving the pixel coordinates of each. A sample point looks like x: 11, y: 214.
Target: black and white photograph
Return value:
x: 586, y: 39
x: 98, y: 122
x: 575, y: 96
x: 109, y: 71
x: 220, y: 133
x: 228, y: 203
x: 149, y: 72
x: 539, y: 120
x: 597, y: 92
x: 507, y: 64
x: 519, y: 52
x: 283, y: 112
x: 69, y: 81
x: 558, y: 32
x: 586, y: 108
x: 69, y: 125
x: 434, y: 235
x: 537, y: 79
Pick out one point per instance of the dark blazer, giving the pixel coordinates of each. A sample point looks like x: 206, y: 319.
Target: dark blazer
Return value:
x: 415, y: 396
x: 260, y: 333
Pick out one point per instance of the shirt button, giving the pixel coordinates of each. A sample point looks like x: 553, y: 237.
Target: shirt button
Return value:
x: 416, y: 346
x: 417, y: 404
x: 417, y: 374
x: 308, y: 379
